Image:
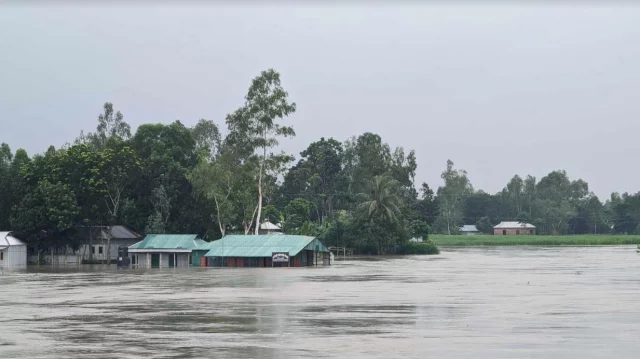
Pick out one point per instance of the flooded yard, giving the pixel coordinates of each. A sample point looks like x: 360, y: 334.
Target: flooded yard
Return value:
x: 501, y: 302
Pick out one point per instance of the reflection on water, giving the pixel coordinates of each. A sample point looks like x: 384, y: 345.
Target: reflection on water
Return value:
x: 569, y: 302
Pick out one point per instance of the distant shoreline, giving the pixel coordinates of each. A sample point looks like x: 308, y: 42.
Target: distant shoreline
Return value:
x: 567, y: 240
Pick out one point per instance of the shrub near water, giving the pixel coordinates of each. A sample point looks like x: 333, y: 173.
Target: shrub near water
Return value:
x: 573, y: 240
x: 427, y: 247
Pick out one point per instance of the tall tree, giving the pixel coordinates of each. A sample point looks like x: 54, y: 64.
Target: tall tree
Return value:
x: 456, y: 187
x: 116, y: 169
x: 255, y: 126
x: 162, y: 210
x: 206, y: 135
x: 218, y: 181
x: 514, y: 193
x: 111, y: 124
x: 296, y: 215
x: 380, y: 208
x: 45, y: 214
x: 428, y: 204
x: 381, y: 201
x: 318, y: 177
x: 6, y: 185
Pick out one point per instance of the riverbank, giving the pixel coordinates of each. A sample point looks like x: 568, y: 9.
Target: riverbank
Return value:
x: 573, y: 240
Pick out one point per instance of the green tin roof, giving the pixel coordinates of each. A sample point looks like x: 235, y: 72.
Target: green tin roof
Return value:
x: 262, y: 245
x: 169, y: 241
x: 202, y: 245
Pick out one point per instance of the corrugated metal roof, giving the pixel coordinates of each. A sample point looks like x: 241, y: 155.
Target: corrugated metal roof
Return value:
x: 270, y: 226
x: 262, y: 245
x: 469, y: 228
x: 203, y: 245
x: 7, y: 240
x: 514, y: 225
x: 123, y: 232
x: 168, y: 241
x: 117, y: 232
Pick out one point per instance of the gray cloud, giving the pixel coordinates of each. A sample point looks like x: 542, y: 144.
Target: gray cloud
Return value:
x: 499, y: 90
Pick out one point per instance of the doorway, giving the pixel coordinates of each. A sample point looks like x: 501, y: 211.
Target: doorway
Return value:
x: 155, y: 260
x: 172, y: 260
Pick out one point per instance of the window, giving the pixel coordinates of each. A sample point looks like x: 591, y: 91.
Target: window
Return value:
x: 93, y: 250
x: 100, y: 249
x: 1, y: 256
x: 504, y: 232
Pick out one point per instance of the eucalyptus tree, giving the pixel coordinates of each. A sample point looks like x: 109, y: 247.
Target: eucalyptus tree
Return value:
x: 255, y: 128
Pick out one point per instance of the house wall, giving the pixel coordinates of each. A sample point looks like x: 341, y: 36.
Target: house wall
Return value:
x: 196, y: 257
x: 85, y: 249
x: 182, y: 260
x: 514, y: 231
x: 144, y: 259
x: 304, y: 258
x: 14, y: 256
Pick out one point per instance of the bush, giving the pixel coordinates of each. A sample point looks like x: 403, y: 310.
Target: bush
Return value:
x: 426, y: 247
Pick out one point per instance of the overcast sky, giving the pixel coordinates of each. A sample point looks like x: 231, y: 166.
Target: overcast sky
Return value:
x: 498, y: 90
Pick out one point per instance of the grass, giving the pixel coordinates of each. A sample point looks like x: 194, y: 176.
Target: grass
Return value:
x: 419, y: 248
x: 573, y: 240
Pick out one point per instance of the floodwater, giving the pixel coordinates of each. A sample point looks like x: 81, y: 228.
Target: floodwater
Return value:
x: 501, y: 302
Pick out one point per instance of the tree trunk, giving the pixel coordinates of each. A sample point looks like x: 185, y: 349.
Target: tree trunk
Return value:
x: 259, y: 201
x: 219, y: 221
x: 264, y: 159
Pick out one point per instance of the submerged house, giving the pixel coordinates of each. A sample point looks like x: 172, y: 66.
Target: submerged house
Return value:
x: 98, y: 249
x: 168, y: 251
x: 276, y: 250
x: 270, y: 228
x: 469, y: 230
x: 514, y: 229
x: 13, y: 252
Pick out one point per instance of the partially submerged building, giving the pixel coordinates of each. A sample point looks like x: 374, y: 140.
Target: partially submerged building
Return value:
x: 168, y: 251
x: 270, y: 228
x: 13, y: 252
x: 514, y: 229
x: 469, y: 230
x: 103, y: 241
x: 275, y: 250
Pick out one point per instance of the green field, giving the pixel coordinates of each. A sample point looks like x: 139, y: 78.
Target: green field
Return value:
x: 573, y: 240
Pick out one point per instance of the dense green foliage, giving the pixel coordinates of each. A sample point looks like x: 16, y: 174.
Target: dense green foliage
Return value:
x: 360, y: 193
x: 568, y: 240
x: 427, y: 247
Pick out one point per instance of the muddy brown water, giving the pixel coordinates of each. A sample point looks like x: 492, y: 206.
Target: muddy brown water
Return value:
x: 501, y: 302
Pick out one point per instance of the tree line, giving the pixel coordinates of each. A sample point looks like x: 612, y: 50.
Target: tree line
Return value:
x: 360, y: 193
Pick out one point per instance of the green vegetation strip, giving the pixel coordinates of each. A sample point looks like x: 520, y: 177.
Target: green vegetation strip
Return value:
x: 577, y: 240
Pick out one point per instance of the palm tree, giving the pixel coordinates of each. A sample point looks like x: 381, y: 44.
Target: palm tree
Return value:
x: 380, y: 201
x: 380, y: 207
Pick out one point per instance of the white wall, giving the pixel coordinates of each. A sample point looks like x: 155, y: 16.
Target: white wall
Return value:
x: 144, y: 259
x: 14, y: 256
